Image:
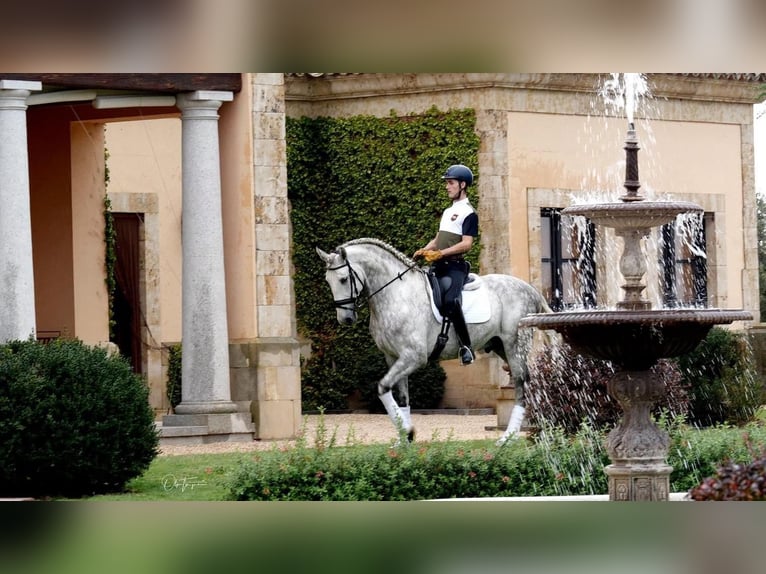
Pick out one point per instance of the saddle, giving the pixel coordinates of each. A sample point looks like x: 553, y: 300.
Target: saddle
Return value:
x: 438, y: 286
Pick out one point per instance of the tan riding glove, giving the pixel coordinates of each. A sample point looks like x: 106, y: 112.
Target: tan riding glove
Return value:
x: 432, y: 256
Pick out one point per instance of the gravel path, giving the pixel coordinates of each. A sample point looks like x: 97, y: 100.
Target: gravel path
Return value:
x: 364, y: 429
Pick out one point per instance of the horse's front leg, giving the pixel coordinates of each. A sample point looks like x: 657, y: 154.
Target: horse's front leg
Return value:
x: 404, y: 393
x: 399, y: 369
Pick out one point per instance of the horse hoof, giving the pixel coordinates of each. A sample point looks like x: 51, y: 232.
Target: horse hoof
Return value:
x: 411, y: 435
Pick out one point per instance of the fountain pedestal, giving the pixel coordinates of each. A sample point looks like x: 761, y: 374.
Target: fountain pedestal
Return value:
x: 637, y: 446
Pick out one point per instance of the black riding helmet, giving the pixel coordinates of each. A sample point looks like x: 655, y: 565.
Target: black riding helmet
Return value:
x: 460, y: 173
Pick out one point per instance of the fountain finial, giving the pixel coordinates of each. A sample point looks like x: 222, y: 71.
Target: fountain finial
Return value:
x: 631, y: 166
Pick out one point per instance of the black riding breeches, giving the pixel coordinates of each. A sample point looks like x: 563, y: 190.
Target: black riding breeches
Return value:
x: 457, y: 271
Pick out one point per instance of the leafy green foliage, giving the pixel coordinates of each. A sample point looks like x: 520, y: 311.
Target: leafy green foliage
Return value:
x: 723, y: 384
x: 761, y: 224
x: 363, y: 177
x: 73, y: 420
x: 696, y: 455
x: 173, y: 388
x: 553, y: 463
x: 110, y: 260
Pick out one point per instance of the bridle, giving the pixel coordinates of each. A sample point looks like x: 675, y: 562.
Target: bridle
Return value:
x: 356, y: 294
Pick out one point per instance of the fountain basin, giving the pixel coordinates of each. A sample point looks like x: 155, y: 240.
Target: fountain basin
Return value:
x: 634, y: 340
x: 633, y: 215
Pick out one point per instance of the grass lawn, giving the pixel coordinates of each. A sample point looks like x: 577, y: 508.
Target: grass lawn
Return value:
x: 200, y: 477
x: 197, y: 477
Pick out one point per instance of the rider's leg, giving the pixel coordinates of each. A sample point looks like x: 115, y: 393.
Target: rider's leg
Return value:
x: 457, y: 271
x: 461, y: 329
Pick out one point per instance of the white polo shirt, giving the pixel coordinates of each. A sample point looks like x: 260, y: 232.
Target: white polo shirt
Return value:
x: 457, y: 220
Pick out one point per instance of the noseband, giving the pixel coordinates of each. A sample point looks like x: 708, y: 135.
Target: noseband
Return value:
x: 356, y: 291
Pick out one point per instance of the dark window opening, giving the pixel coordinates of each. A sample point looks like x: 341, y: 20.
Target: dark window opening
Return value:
x: 684, y: 262
x: 568, y: 263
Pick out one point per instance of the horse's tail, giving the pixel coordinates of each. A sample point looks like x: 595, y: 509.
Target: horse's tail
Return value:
x: 543, y: 306
x: 540, y: 304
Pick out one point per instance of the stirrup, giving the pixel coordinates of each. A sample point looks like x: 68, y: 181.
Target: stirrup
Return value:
x: 466, y: 355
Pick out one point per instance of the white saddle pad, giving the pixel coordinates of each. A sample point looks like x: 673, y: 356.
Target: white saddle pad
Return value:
x: 475, y: 302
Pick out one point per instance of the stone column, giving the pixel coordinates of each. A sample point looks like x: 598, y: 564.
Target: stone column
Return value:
x: 205, y: 366
x: 206, y: 412
x: 17, y: 307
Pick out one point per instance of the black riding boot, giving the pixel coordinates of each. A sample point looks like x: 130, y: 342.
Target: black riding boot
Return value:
x: 461, y: 329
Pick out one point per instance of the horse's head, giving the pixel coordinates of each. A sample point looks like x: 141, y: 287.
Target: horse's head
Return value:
x: 345, y: 282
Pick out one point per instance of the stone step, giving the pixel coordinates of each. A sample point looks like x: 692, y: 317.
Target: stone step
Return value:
x: 200, y: 439
x: 168, y: 431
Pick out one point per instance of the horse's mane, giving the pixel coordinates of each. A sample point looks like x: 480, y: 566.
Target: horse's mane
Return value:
x: 383, y: 245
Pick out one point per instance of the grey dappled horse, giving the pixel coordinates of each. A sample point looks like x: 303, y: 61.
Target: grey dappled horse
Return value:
x: 403, y: 325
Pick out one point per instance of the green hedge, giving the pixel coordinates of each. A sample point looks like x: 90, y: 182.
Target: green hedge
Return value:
x: 551, y: 464
x: 363, y: 177
x: 73, y: 420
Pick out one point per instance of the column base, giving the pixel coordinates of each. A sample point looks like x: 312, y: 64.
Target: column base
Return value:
x: 206, y: 428
x: 205, y: 407
x: 639, y: 482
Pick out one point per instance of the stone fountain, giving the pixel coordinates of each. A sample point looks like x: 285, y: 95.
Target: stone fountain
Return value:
x: 634, y: 337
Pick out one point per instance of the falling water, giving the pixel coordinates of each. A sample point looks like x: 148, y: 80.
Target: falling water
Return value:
x: 627, y: 98
x: 624, y: 93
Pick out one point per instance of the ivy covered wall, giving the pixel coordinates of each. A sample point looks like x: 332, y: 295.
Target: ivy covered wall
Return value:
x: 366, y: 176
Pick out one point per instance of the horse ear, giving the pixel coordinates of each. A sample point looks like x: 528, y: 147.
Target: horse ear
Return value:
x: 342, y: 251
x: 325, y: 256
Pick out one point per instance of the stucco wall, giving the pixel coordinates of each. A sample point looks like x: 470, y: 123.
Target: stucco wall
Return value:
x: 145, y: 159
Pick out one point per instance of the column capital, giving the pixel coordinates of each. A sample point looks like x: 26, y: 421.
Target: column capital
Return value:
x: 14, y: 93
x: 20, y: 85
x: 202, y: 104
x: 219, y: 95
x: 203, y: 97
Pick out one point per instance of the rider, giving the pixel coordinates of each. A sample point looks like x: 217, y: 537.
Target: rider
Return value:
x: 459, y: 225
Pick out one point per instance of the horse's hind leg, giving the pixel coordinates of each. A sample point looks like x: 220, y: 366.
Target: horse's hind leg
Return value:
x: 519, y: 373
x: 404, y: 390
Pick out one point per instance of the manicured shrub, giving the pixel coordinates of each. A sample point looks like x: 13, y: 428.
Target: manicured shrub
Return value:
x: 73, y: 420
x: 723, y: 384
x: 567, y: 389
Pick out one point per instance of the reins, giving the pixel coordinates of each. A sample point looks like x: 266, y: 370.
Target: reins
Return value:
x: 355, y: 298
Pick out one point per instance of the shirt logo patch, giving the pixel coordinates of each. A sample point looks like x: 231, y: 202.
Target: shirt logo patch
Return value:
x: 454, y: 217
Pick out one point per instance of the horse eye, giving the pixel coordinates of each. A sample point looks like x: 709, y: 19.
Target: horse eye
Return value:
x: 344, y: 279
